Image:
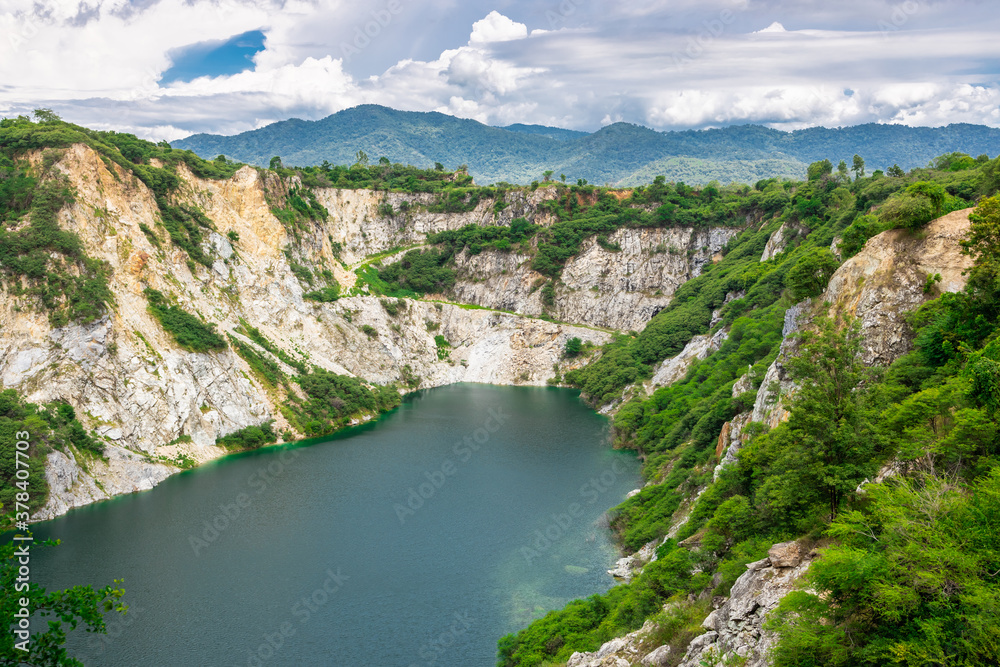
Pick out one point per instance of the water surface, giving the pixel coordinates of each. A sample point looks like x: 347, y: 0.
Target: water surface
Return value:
x: 417, y: 540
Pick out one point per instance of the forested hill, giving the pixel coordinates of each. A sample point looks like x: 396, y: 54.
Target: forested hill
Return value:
x: 616, y: 154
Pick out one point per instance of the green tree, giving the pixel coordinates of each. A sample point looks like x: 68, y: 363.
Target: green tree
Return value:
x: 991, y: 177
x: 858, y: 167
x: 46, y: 116
x: 573, y: 347
x: 64, y: 610
x: 809, y: 276
x: 983, y: 245
x: 818, y: 170
x: 275, y: 163
x: 842, y: 172
x: 827, y: 446
x: 896, y: 171
x: 911, y: 582
x: 915, y: 206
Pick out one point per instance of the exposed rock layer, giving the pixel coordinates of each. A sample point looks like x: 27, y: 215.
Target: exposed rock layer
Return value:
x: 129, y: 381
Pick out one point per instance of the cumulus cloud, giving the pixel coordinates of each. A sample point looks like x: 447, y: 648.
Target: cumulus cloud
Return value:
x: 669, y: 65
x: 496, y: 28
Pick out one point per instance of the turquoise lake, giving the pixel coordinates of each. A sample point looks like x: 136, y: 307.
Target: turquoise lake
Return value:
x: 419, y: 539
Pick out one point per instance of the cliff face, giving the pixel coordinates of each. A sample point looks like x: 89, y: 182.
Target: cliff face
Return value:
x: 129, y: 380
x: 879, y: 286
x: 617, y: 289
x: 887, y: 279
x: 363, y: 227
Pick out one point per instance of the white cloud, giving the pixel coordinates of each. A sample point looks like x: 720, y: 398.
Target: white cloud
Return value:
x: 670, y: 65
x: 774, y: 27
x: 496, y: 28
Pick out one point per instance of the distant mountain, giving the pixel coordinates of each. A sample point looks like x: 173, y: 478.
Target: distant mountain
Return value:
x: 545, y: 131
x: 621, y: 153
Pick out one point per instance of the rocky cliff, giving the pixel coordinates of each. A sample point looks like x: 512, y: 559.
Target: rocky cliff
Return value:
x: 156, y: 405
x: 618, y: 289
x: 892, y: 275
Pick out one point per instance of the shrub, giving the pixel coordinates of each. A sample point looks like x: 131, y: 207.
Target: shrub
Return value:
x: 573, y: 347
x: 419, y: 272
x: 443, y: 347
x: 324, y: 294
x: 251, y: 437
x: 190, y: 333
x: 811, y: 273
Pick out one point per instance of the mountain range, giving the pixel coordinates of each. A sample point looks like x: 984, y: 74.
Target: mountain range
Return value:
x: 619, y: 154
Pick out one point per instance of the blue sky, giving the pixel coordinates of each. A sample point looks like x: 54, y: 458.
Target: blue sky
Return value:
x: 167, y: 68
x: 214, y: 58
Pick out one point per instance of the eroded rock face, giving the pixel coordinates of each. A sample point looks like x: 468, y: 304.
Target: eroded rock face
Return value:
x: 128, y: 380
x: 736, y: 628
x: 622, y: 652
x: 676, y: 367
x: 357, y: 221
x: 785, y: 554
x: 615, y: 289
x: 887, y: 279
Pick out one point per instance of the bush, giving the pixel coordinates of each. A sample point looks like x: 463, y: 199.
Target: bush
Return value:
x: 573, y: 347
x: 71, y: 286
x: 810, y: 275
x: 52, y: 426
x: 190, y: 333
x: 333, y: 400
x: 419, y: 272
x: 251, y: 437
x: 443, y: 347
x: 324, y: 294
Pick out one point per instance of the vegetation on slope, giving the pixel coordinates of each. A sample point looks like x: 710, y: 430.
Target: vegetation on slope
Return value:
x: 53, y: 426
x: 39, y: 259
x: 322, y: 402
x: 581, y: 212
x: 190, y: 332
x: 909, y: 576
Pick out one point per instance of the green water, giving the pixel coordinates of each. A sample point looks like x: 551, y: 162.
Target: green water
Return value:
x: 418, y: 540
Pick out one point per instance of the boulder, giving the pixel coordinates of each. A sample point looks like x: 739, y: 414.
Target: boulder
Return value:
x: 785, y: 554
x: 659, y: 657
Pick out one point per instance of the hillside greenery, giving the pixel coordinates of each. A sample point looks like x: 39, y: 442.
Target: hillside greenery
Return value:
x: 250, y: 437
x: 619, y: 154
x: 191, y: 333
x: 908, y: 568
x: 40, y: 260
x: 52, y: 426
x: 322, y: 402
x: 333, y: 401
x: 81, y: 294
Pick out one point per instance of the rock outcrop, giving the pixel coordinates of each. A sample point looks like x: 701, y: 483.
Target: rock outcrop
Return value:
x: 157, y: 406
x: 886, y: 280
x: 365, y: 222
x: 889, y: 278
x: 618, y: 289
x: 676, y: 367
x: 736, y: 628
